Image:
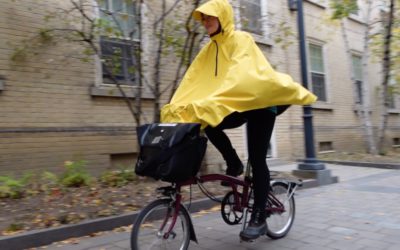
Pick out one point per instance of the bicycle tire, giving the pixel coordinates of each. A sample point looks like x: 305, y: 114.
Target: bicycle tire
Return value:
x: 279, y: 224
x: 146, y: 233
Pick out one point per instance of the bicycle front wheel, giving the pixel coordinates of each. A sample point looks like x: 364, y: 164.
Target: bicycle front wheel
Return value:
x: 150, y: 230
x: 280, y: 216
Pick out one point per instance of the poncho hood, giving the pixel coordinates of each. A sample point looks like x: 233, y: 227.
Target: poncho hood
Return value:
x: 218, y: 8
x: 230, y: 74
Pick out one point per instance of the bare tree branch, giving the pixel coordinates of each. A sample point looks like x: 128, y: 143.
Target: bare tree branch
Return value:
x: 166, y: 13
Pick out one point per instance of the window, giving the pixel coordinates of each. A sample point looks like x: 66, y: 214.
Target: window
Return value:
x: 119, y: 61
x: 325, y: 146
x: 120, y: 54
x: 396, y: 141
x: 354, y: 7
x: 391, y: 95
x: 317, y: 71
x: 357, y: 72
x: 391, y: 99
x: 251, y: 16
x: 2, y: 80
x: 121, y: 14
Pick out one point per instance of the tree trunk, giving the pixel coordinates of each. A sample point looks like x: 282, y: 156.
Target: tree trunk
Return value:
x: 366, y: 117
x: 362, y: 109
x: 157, y: 81
x: 386, y: 72
x: 138, y: 57
x: 350, y: 58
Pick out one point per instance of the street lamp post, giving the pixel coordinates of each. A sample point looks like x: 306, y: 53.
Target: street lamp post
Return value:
x: 310, y: 167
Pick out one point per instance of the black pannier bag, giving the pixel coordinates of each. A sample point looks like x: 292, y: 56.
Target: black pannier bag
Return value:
x: 171, y: 152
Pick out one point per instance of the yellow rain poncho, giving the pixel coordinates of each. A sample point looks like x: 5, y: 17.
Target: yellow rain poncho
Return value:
x: 229, y: 74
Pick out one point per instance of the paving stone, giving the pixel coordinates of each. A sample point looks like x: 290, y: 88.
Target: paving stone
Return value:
x: 373, y: 244
x: 125, y: 244
x: 346, y: 245
x: 359, y: 213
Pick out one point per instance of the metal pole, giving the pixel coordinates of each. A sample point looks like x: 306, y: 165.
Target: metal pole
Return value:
x: 310, y: 162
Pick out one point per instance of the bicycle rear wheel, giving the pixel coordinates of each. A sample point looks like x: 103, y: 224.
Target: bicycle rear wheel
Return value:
x: 280, y: 219
x: 152, y: 224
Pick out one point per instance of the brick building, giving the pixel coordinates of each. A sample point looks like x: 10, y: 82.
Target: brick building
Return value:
x: 56, y: 107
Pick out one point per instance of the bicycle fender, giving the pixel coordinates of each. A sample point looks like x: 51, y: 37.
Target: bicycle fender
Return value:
x: 272, y: 182
x: 191, y: 227
x: 292, y: 186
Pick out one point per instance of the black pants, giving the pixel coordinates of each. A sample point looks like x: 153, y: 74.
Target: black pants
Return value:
x: 260, y: 124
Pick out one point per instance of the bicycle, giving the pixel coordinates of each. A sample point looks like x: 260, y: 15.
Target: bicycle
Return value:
x: 166, y: 222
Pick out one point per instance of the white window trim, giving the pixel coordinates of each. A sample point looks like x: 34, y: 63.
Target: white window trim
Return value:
x: 264, y: 18
x: 356, y: 18
x: 265, y: 29
x: 103, y: 89
x: 360, y: 17
x: 98, y: 72
x: 320, y: 104
x: 396, y: 99
x: 396, y: 109
x: 124, y: 4
x: 359, y: 54
x: 319, y: 3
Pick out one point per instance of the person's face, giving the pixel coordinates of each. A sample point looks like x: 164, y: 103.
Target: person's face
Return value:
x: 211, y: 23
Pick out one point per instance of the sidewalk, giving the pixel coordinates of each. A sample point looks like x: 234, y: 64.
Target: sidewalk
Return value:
x: 360, y: 212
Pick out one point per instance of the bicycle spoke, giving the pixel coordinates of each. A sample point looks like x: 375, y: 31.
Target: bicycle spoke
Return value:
x: 151, y: 230
x: 282, y: 210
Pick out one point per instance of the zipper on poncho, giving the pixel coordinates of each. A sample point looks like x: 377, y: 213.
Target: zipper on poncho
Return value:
x: 216, y: 59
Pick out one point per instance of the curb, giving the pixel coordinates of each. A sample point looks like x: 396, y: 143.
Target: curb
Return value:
x: 42, y: 237
x: 37, y: 238
x: 364, y: 164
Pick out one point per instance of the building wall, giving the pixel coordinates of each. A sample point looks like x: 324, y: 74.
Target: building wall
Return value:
x: 336, y: 120
x: 47, y: 113
x: 51, y: 110
x: 54, y: 106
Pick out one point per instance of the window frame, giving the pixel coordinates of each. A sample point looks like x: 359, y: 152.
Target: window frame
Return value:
x: 264, y: 35
x: 357, y: 12
x: 2, y: 82
x: 128, y: 50
x: 132, y: 43
x: 394, y: 98
x: 359, y: 16
x: 357, y: 83
x: 392, y: 101
x: 321, y: 3
x: 249, y: 28
x: 311, y: 71
x: 110, y: 3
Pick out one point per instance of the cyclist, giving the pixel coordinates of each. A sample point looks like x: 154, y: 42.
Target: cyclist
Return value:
x: 230, y: 83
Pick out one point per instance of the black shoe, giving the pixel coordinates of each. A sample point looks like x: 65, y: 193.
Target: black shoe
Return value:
x: 235, y: 172
x: 257, y: 226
